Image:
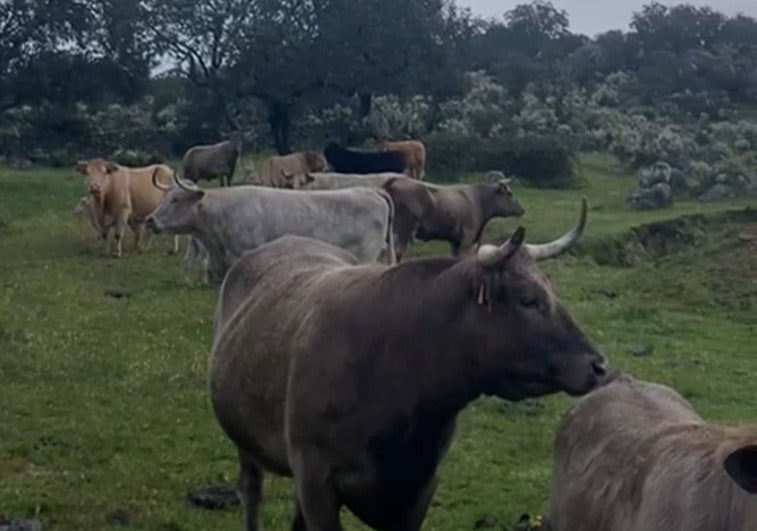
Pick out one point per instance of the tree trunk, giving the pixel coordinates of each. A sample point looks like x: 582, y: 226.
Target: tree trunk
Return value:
x: 280, y: 120
x: 366, y: 102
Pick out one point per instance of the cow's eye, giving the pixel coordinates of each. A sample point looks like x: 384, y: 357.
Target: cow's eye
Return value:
x: 529, y: 302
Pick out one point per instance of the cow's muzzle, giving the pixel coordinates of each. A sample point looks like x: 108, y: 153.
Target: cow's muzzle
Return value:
x: 586, y: 376
x: 152, y: 225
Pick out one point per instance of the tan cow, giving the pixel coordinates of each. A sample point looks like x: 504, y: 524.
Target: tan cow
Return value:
x: 414, y: 152
x: 635, y: 456
x: 274, y: 168
x: 123, y: 196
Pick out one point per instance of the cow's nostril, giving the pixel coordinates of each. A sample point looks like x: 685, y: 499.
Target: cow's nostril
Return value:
x: 599, y: 367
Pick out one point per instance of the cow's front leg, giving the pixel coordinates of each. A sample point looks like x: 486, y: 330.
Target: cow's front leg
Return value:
x: 175, y: 246
x: 120, y: 229
x: 250, y: 491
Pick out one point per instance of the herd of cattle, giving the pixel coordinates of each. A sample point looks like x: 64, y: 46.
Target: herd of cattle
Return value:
x: 336, y: 365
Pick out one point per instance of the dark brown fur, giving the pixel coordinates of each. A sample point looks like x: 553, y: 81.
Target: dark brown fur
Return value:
x: 350, y: 377
x: 455, y: 214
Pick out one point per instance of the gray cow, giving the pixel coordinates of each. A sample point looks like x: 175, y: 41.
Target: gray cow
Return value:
x: 349, y: 377
x: 230, y: 221
x: 216, y: 161
x: 635, y: 456
x: 455, y: 214
x: 335, y: 181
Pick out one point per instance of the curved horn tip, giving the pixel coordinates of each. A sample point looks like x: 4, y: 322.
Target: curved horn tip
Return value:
x: 584, y: 214
x: 518, y: 237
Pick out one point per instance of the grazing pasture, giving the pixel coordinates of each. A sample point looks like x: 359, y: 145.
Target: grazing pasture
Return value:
x: 104, y: 412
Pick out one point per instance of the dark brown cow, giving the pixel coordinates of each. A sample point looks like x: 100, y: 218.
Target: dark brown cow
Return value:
x: 635, y: 456
x: 350, y: 377
x: 455, y: 214
x: 216, y: 161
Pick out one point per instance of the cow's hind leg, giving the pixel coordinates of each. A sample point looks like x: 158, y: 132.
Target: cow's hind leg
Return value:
x: 250, y: 490
x: 298, y: 522
x: 412, y: 520
x: 317, y: 497
x: 136, y: 228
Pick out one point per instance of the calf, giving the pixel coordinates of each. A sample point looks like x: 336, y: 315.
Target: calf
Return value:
x: 86, y: 209
x: 456, y: 214
x: 635, y: 456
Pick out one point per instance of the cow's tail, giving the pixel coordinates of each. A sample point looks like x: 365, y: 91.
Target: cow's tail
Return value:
x: 389, y: 253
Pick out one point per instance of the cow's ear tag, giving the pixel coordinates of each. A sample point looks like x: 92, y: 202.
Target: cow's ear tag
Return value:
x: 483, y: 298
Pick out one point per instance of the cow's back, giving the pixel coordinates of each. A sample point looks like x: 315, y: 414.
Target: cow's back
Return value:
x: 271, y: 174
x: 356, y: 219
x: 335, y: 181
x: 635, y: 456
x: 144, y: 196
x: 263, y: 300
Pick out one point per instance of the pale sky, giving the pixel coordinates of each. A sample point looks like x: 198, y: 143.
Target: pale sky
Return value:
x: 594, y: 16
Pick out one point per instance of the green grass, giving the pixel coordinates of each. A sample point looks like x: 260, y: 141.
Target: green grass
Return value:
x: 103, y: 401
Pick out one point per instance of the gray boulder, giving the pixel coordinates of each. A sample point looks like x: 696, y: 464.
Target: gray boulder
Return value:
x: 19, y: 524
x: 657, y: 196
x: 717, y: 192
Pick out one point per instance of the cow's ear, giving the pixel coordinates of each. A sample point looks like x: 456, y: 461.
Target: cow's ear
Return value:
x: 81, y: 167
x: 111, y: 167
x: 741, y: 465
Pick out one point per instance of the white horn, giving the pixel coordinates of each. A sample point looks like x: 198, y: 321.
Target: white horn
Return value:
x: 492, y: 255
x: 158, y: 185
x: 562, y: 244
x: 184, y: 185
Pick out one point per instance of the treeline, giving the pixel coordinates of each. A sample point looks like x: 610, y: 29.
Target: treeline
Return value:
x: 75, y: 79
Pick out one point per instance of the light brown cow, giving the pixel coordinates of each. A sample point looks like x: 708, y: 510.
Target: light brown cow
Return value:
x: 274, y: 169
x: 635, y: 456
x: 414, y: 152
x: 123, y: 196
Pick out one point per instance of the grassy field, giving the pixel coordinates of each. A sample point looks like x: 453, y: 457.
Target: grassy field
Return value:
x: 104, y: 415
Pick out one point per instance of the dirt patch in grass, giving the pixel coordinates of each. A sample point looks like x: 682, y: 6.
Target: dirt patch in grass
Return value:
x: 657, y: 240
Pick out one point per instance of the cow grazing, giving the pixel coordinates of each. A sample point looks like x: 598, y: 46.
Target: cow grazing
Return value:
x: 455, y: 214
x: 230, y: 221
x: 349, y: 377
x: 122, y: 196
x: 335, y: 181
x: 635, y: 456
x: 274, y: 170
x: 349, y: 161
x: 414, y: 152
x: 216, y: 161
